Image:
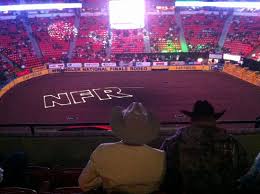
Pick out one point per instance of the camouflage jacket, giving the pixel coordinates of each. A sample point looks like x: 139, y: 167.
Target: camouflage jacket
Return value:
x: 202, y: 160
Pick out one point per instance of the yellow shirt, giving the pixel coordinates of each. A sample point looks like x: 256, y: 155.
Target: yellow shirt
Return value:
x: 124, y: 168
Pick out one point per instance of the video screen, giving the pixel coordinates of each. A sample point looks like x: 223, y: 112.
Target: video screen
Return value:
x: 125, y: 14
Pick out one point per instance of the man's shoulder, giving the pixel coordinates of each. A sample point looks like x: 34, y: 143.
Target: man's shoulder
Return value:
x: 172, y: 140
x: 154, y: 150
x: 105, y: 147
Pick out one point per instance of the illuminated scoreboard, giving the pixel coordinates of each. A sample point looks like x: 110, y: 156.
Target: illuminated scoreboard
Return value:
x: 126, y: 14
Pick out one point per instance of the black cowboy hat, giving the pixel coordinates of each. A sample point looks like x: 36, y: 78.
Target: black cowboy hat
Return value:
x: 203, y: 109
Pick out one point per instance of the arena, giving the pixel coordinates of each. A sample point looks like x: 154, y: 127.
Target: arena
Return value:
x: 66, y: 66
x: 165, y: 93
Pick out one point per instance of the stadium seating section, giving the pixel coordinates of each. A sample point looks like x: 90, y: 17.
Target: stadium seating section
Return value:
x: 90, y: 41
x: 164, y: 33
x: 127, y: 41
x: 16, y: 45
x: 202, y: 32
x: 26, y: 42
x: 53, y: 49
x: 243, y: 35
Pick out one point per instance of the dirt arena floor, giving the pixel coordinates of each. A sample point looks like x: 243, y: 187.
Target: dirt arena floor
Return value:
x: 164, y: 93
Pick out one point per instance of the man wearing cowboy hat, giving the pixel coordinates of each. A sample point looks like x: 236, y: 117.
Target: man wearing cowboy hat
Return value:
x: 202, y: 158
x: 128, y: 166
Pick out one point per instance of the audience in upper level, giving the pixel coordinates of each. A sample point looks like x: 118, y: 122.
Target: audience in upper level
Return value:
x: 164, y: 34
x: 202, y: 31
x: 243, y: 35
x: 128, y: 166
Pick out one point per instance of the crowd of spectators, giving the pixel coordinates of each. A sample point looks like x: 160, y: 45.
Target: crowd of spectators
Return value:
x: 54, y: 49
x: 187, y: 58
x: 6, y: 72
x: 164, y: 34
x: 202, y: 32
x: 127, y: 41
x: 243, y: 35
x: 92, y: 39
x: 95, y: 42
x: 16, y: 44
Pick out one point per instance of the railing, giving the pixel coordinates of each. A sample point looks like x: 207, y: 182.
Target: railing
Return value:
x: 34, y: 126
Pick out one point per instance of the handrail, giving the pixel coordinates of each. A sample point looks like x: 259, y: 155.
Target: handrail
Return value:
x: 90, y: 124
x: 33, y: 125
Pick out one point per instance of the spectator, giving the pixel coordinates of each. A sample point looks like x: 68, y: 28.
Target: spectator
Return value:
x: 14, y: 167
x: 250, y: 182
x: 202, y: 158
x: 129, y: 165
x: 1, y: 174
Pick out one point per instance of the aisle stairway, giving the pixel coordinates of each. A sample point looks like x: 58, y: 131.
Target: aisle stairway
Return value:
x: 73, y: 41
x: 225, y: 31
x: 184, y: 46
x: 35, y: 45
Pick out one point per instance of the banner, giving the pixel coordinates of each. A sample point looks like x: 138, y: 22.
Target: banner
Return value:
x: 6, y: 88
x: 91, y: 65
x: 139, y: 68
x: 56, y: 66
x: 77, y: 65
x: 160, y: 67
x: 190, y: 68
x: 94, y: 69
x: 113, y: 69
x: 22, y: 79
x: 72, y: 69
x: 33, y: 75
x: 108, y: 64
x: 215, y: 56
x: 117, y: 68
x: 160, y: 63
x: 232, y: 57
x: 22, y: 73
x: 194, y: 63
x: 177, y: 63
x: 40, y: 68
x: 142, y: 64
x: 125, y: 64
x: 102, y: 69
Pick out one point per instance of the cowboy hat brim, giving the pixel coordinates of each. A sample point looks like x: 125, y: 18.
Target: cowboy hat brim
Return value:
x: 193, y: 114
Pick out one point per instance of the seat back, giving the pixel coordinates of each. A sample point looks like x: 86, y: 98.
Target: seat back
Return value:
x: 68, y: 190
x: 38, y: 176
x: 16, y: 190
x: 67, y: 177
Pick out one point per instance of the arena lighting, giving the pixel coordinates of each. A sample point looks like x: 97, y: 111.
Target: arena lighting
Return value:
x: 200, y: 60
x: 126, y: 14
x: 25, y: 7
x: 225, y: 4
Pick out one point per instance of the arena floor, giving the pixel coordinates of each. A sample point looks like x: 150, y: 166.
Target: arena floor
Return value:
x: 164, y: 93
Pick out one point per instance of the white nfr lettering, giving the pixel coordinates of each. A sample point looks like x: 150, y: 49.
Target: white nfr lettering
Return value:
x: 81, y: 96
x: 62, y: 99
x: 110, y: 92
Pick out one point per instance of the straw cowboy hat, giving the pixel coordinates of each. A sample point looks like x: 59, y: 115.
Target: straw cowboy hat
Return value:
x: 134, y: 125
x: 203, y: 109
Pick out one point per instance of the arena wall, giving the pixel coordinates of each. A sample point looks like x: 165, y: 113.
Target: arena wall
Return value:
x: 69, y: 150
x: 245, y: 74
